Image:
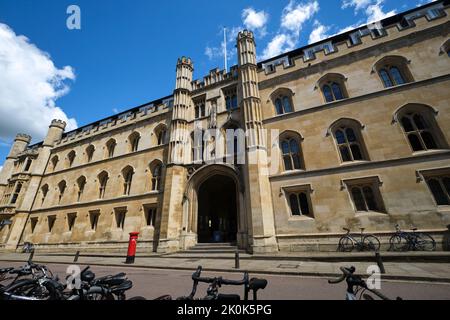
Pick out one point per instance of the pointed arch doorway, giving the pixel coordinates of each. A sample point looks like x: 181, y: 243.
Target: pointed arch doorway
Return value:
x: 214, y: 207
x: 217, y: 210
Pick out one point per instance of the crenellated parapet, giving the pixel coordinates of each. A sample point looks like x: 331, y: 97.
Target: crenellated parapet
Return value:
x: 58, y: 124
x: 23, y: 138
x: 361, y: 38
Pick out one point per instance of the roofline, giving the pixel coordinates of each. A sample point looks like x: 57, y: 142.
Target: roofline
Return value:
x: 343, y: 36
x: 134, y: 109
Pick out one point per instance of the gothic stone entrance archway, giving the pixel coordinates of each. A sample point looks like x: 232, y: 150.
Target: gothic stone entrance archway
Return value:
x: 214, y: 201
x: 217, y: 210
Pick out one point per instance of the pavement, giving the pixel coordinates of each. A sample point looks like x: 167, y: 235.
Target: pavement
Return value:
x: 423, y: 267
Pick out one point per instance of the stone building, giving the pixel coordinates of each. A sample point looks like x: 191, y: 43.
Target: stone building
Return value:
x: 352, y: 131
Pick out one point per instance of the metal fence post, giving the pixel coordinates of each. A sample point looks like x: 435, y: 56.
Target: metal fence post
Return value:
x: 236, y: 260
x: 77, y: 255
x: 380, y: 262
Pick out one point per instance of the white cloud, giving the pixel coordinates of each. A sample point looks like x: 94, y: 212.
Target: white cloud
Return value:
x: 255, y: 20
x: 279, y: 44
x: 358, y: 4
x: 30, y: 86
x: 293, y: 18
x: 319, y: 32
x: 296, y: 14
x: 373, y: 9
x: 1, y: 167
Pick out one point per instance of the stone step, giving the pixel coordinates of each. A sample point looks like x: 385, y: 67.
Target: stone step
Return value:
x: 207, y: 245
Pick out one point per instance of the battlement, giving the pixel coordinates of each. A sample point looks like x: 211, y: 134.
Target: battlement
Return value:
x: 23, y: 137
x: 185, y: 61
x: 245, y: 34
x: 214, y: 77
x: 362, y: 37
x: 125, y: 118
x: 59, y: 124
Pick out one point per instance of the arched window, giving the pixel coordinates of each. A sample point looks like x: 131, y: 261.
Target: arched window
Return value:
x: 418, y: 131
x: 110, y: 148
x: 127, y: 174
x: 81, y: 182
x: 332, y: 86
x: 349, y: 141
x: 54, y: 162
x: 161, y: 134
x: 44, y: 191
x: 282, y: 100
x: 134, y: 141
x: 156, y: 171
x: 71, y: 158
x: 291, y: 152
x: 392, y: 76
x: 332, y: 91
x: 90, y: 153
x: 62, y: 189
x: 102, y: 181
x: 393, y: 71
x: 420, y: 127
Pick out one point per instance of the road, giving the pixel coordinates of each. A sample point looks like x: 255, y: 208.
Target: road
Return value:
x: 152, y: 283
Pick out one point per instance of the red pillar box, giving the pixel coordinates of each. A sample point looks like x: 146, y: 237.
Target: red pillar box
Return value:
x: 132, y: 247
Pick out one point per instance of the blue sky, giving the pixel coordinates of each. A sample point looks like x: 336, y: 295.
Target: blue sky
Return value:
x: 126, y: 51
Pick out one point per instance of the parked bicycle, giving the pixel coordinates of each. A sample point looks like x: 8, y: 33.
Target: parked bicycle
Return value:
x: 36, y: 282
x: 253, y: 285
x: 356, y: 286
x: 367, y: 242
x: 411, y: 241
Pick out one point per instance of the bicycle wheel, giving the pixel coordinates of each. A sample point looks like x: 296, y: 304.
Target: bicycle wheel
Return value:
x: 425, y: 242
x: 398, y: 243
x: 346, y: 244
x: 371, y: 243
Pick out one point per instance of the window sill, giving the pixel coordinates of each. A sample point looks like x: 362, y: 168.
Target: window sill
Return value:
x: 445, y: 209
x: 301, y: 218
x: 351, y: 163
x: 436, y: 151
x: 360, y: 214
x: 292, y: 171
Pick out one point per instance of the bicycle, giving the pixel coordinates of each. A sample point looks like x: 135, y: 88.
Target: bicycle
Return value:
x: 368, y: 242
x: 411, y: 241
x: 356, y: 285
x: 253, y: 285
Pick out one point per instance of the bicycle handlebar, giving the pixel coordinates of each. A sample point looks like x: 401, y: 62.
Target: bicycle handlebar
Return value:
x: 219, y: 280
x: 346, y: 272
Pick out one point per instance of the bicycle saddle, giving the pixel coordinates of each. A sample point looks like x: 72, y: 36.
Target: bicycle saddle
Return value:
x: 414, y: 229
x: 87, y: 276
x: 257, y: 284
x: 6, y: 270
x: 112, y: 280
x: 362, y: 229
x: 346, y: 229
x: 124, y: 286
x: 21, y: 272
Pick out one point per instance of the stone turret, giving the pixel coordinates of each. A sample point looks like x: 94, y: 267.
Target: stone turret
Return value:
x: 19, y: 145
x: 262, y: 234
x: 181, y: 107
x: 55, y: 132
